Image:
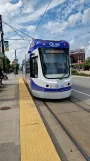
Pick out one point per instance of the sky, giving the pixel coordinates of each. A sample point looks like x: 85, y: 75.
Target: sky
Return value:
x: 64, y: 20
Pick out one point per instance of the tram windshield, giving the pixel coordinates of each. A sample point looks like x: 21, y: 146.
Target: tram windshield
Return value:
x: 55, y: 62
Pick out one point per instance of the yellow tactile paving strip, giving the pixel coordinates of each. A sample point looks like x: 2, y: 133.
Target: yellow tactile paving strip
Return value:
x: 36, y: 145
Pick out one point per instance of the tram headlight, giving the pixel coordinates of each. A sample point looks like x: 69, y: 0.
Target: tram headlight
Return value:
x: 54, y: 86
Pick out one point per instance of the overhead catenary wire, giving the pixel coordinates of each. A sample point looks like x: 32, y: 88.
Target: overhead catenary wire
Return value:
x: 32, y: 37
x: 18, y: 30
x: 42, y: 18
x: 17, y: 33
x: 16, y: 39
x: 20, y: 48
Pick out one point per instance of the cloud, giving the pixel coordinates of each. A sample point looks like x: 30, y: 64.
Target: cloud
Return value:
x: 70, y: 22
x: 86, y: 16
x: 9, y: 8
x: 20, y: 46
x: 73, y: 19
x: 55, y: 27
x: 31, y: 28
x: 4, y: 1
x: 81, y: 42
x: 62, y: 21
x: 82, y: 1
x: 39, y: 12
x: 87, y: 50
x: 29, y: 6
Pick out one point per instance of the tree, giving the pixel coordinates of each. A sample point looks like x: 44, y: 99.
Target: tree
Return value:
x: 7, y: 64
x: 88, y: 58
x: 87, y: 64
x: 15, y: 67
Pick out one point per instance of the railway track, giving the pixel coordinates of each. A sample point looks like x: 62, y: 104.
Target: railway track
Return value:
x: 79, y: 147
x: 81, y: 104
x: 82, y: 107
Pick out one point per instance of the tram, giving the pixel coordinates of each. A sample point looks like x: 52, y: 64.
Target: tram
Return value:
x: 46, y: 69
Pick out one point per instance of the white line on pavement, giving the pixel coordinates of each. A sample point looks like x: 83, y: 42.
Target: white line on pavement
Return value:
x: 81, y: 92
x: 80, y: 77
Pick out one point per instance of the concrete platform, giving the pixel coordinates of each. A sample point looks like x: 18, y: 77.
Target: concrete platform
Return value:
x: 36, y: 145
x: 9, y: 121
x: 23, y: 136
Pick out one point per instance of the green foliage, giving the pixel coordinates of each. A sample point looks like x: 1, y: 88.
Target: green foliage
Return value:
x: 7, y: 63
x: 15, y: 67
x: 79, y: 66
x: 9, y: 67
x: 74, y: 72
x: 87, y: 62
x: 85, y: 66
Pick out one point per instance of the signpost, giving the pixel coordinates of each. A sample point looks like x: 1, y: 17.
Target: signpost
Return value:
x: 6, y: 45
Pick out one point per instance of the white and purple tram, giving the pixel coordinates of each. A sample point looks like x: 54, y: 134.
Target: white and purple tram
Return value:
x: 46, y: 69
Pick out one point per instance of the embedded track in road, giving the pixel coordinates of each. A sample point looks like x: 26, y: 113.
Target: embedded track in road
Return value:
x: 74, y: 139
x: 79, y: 103
x: 74, y: 118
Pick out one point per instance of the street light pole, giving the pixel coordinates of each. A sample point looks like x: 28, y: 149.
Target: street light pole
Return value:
x: 2, y: 42
x: 15, y: 60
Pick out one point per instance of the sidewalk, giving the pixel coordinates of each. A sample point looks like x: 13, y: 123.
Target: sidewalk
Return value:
x: 86, y: 72
x: 33, y: 143
x: 9, y: 120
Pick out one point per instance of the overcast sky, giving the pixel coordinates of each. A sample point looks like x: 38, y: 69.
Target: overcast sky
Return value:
x: 65, y: 19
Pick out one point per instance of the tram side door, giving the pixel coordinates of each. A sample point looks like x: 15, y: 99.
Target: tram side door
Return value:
x: 28, y: 72
x: 34, y: 67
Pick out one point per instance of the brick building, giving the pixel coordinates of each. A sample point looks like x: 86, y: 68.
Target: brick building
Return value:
x: 77, y: 56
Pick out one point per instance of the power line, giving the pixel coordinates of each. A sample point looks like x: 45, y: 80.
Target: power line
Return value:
x: 42, y: 17
x: 20, y: 48
x: 17, y: 30
x: 16, y: 39
x: 17, y: 33
x: 77, y: 37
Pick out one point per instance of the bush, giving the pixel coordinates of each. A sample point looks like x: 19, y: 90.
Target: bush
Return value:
x: 83, y: 74
x: 74, y: 72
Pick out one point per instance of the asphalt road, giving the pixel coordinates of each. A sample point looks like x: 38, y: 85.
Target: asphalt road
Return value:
x: 81, y: 88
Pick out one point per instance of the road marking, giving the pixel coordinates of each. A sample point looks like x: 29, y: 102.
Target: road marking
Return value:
x: 80, y: 76
x: 81, y: 92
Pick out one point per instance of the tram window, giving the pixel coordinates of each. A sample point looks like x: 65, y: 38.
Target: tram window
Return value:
x: 33, y: 68
x: 27, y: 67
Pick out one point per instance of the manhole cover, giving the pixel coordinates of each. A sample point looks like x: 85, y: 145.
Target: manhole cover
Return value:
x: 4, y: 108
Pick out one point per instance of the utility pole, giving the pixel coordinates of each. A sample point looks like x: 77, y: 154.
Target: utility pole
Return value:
x: 2, y: 42
x: 15, y: 61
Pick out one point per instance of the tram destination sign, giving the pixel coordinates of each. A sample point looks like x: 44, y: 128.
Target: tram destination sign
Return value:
x: 53, y: 51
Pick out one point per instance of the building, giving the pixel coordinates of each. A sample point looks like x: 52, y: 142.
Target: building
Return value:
x: 15, y: 61
x: 77, y: 56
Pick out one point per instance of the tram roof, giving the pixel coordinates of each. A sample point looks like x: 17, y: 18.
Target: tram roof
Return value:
x: 38, y: 43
